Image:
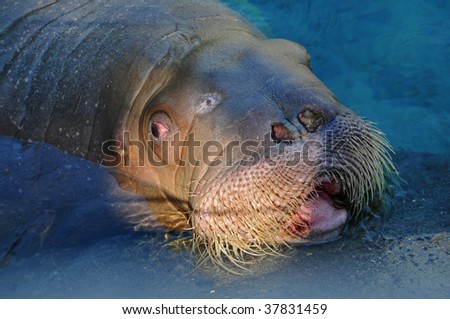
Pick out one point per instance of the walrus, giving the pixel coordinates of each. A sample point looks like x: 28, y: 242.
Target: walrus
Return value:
x: 227, y: 134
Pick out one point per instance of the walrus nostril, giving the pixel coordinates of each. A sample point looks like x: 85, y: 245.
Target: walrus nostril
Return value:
x: 311, y: 119
x: 280, y: 133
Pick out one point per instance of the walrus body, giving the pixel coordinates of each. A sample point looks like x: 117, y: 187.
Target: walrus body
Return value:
x: 123, y: 83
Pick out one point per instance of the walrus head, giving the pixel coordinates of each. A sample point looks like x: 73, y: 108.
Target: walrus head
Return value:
x: 250, y: 151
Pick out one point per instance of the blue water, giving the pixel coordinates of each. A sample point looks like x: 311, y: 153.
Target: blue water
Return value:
x: 388, y: 61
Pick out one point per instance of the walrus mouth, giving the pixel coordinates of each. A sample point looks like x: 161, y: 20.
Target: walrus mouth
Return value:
x: 322, y: 216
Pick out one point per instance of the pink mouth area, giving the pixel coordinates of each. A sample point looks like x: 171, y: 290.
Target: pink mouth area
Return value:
x: 321, y: 217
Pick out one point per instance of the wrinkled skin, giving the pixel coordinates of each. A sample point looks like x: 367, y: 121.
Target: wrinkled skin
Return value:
x: 155, y: 74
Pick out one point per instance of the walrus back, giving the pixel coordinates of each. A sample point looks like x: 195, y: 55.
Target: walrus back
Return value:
x: 69, y: 70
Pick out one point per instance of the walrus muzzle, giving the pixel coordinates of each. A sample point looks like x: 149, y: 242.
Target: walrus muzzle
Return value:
x: 305, y: 194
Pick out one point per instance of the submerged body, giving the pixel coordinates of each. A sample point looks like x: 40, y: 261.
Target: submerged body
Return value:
x: 226, y: 133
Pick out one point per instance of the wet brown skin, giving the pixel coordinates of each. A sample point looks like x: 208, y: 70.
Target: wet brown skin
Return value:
x: 195, y: 73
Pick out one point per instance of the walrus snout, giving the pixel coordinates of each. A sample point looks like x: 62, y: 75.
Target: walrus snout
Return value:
x: 305, y: 192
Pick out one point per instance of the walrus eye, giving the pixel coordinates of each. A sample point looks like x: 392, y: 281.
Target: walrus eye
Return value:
x: 158, y: 130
